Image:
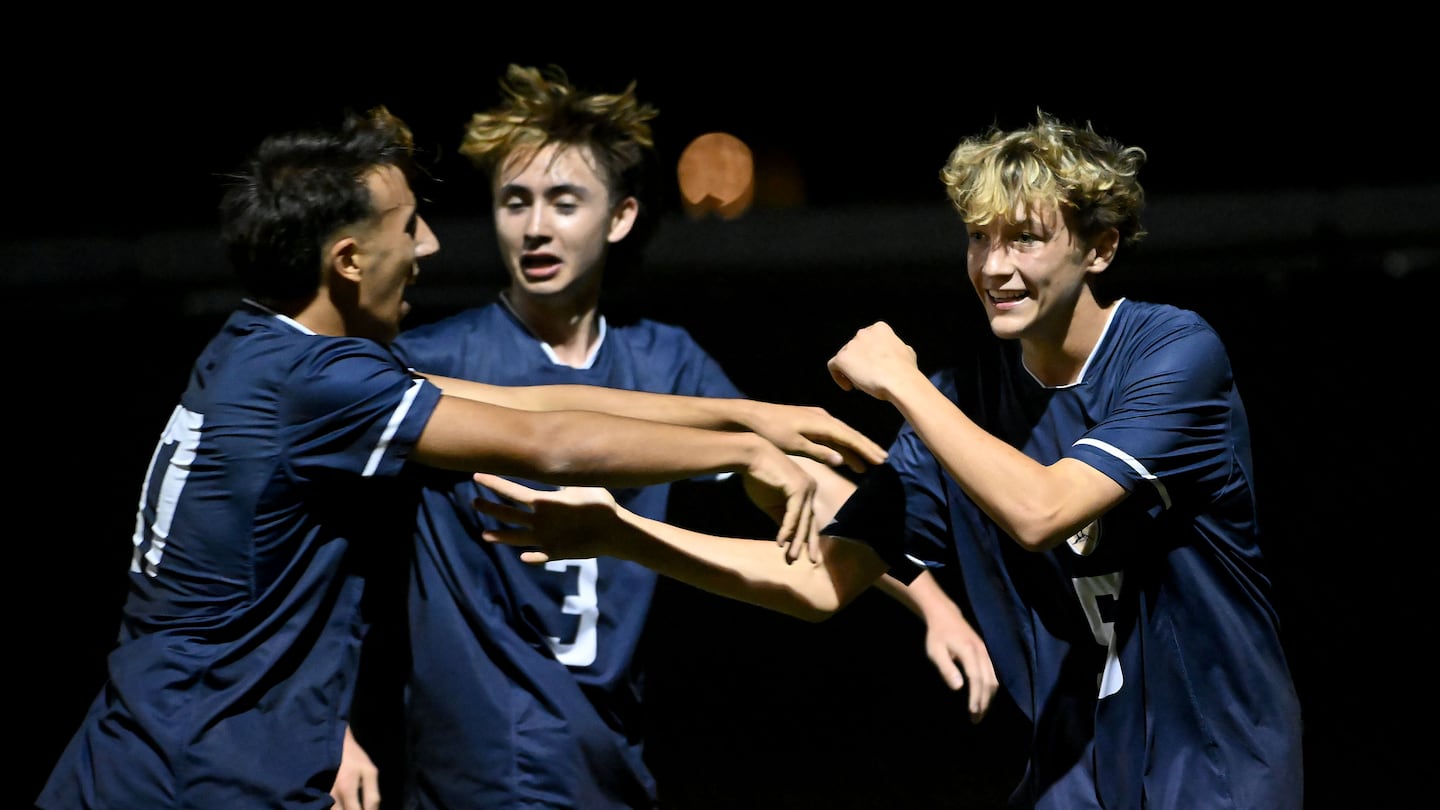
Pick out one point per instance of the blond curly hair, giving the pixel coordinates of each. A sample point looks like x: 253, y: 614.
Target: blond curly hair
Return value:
x: 1048, y: 163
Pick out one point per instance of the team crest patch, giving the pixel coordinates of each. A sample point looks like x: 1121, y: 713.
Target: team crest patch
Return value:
x: 1084, y: 541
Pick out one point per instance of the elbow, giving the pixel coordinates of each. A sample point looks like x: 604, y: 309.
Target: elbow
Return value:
x: 804, y: 605
x: 813, y: 600
x: 812, y: 614
x: 1031, y: 528
x: 1043, y: 536
x: 830, y: 596
x: 816, y: 612
x: 1035, y: 541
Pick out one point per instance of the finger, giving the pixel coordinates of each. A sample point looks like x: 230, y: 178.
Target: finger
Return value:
x: 522, y: 538
x: 811, y: 543
x: 852, y: 447
x: 804, y: 530
x: 790, y: 521
x: 503, y: 486
x: 534, y: 557
x: 504, y: 513
x: 949, y: 672
x: 371, y: 794
x: 858, y: 443
x: 983, y: 683
x: 839, y: 377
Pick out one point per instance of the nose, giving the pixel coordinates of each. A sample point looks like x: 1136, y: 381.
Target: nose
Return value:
x: 426, y: 242
x: 536, y: 225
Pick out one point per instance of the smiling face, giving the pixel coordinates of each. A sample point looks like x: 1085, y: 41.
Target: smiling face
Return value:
x: 1031, y: 274
x: 383, y: 260
x: 555, y: 220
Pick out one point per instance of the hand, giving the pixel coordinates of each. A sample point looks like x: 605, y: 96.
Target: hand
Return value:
x: 873, y: 361
x: 785, y: 492
x: 357, y: 783
x: 948, y: 639
x: 565, y: 524
x: 811, y: 431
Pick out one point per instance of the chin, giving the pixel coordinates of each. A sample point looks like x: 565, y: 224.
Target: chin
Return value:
x: 1006, y: 328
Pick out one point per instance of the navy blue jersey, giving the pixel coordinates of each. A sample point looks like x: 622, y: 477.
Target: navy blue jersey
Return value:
x: 526, y: 680
x: 276, y: 476
x: 1146, y: 650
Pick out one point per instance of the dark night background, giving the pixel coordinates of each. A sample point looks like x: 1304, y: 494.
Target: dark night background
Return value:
x: 1295, y: 203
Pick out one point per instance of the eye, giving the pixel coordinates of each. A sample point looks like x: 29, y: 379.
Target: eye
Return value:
x: 567, y: 206
x: 412, y: 225
x: 512, y: 199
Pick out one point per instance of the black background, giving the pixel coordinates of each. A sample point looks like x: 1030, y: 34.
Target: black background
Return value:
x: 120, y: 138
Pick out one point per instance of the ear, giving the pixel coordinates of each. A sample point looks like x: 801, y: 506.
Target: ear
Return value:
x: 622, y: 219
x: 342, y: 258
x: 1102, y: 250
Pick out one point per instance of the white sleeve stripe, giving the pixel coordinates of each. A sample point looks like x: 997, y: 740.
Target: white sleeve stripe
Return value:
x: 1134, y: 465
x: 394, y: 424
x: 923, y: 563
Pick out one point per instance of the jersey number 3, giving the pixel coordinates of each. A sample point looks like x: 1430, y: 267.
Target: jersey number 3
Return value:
x: 583, y: 604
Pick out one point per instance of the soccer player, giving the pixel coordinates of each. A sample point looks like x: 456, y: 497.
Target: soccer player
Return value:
x: 285, y: 478
x: 1089, y: 474
x: 525, y: 682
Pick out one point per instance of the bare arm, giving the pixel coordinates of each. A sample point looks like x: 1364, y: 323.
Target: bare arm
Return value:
x: 949, y: 639
x: 584, y: 447
x: 1039, y: 506
x: 579, y: 522
x: 796, y: 429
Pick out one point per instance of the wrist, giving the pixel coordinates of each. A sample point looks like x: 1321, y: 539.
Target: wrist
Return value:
x: 735, y: 413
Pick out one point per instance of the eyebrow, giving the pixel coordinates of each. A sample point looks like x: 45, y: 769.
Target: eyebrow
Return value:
x: 550, y: 192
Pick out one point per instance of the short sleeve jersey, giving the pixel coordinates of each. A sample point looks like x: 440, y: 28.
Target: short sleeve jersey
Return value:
x: 277, y: 476
x: 1145, y: 650
x: 526, y: 680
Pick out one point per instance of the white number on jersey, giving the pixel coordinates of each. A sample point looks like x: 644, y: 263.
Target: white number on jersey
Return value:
x: 1097, y: 595
x: 178, y: 443
x: 585, y: 604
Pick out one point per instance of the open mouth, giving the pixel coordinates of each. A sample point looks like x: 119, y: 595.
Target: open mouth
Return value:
x: 538, y: 261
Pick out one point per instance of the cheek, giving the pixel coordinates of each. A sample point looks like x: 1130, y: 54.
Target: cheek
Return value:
x: 509, y: 229
x: 974, y: 265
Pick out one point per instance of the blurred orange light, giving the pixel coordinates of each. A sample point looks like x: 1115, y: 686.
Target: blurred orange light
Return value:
x: 717, y: 175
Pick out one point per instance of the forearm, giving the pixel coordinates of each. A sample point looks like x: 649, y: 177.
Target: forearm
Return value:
x: 923, y: 596
x: 716, y: 413
x: 578, y: 447
x: 1036, y: 505
x: 750, y: 570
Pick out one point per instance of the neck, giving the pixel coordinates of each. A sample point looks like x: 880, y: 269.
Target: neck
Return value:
x: 315, y: 313
x: 1059, y: 360
x: 570, y: 328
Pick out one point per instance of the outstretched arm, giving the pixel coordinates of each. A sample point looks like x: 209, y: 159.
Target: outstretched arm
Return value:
x: 577, y: 522
x: 588, y: 448
x: 797, y: 429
